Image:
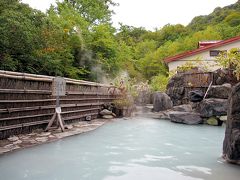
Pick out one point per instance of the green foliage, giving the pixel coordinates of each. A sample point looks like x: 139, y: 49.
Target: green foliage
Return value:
x: 191, y: 65
x: 233, y: 19
x: 122, y: 103
x: 19, y: 31
x: 105, y: 47
x: 76, y: 39
x: 228, y: 13
x: 57, y: 43
x: 231, y: 60
x: 94, y: 11
x: 186, y: 67
x: 167, y: 33
x: 159, y: 83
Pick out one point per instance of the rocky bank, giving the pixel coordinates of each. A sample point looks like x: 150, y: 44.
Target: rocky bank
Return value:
x: 231, y: 144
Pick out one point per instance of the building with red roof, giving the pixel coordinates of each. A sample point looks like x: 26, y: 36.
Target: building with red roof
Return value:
x: 206, y: 52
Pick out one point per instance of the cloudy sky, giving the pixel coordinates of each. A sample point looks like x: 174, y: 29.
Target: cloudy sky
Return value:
x: 153, y: 13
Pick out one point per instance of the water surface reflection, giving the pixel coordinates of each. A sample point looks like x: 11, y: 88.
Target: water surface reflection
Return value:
x: 138, y: 149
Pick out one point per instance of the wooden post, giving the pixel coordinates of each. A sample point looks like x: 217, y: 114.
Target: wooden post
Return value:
x: 58, y: 89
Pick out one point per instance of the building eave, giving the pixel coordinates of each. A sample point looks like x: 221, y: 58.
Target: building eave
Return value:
x: 199, y: 50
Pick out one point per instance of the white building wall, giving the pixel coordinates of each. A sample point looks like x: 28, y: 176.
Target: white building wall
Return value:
x: 205, y: 57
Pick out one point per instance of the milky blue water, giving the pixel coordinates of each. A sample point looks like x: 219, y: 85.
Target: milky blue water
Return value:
x: 137, y: 149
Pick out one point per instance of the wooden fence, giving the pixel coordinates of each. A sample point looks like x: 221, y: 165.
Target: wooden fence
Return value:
x: 196, y: 81
x: 26, y: 101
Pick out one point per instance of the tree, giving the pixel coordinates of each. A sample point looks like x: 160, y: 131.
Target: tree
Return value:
x: 233, y: 19
x: 105, y: 47
x: 19, y: 36
x: 69, y: 32
x: 94, y: 11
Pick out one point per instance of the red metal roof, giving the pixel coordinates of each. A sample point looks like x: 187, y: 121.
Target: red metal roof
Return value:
x: 202, y: 49
x: 206, y: 43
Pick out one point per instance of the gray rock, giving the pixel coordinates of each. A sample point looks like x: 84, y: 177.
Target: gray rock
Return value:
x: 3, y: 150
x: 105, y: 112
x: 69, y: 126
x: 196, y: 96
x: 220, y: 91
x: 32, y: 141
x: 176, y: 94
x: 223, y: 118
x: 17, y: 142
x: 13, y: 138
x: 25, y: 137
x: 190, y: 118
x: 231, y: 144
x: 41, y: 139
x: 195, y: 105
x: 11, y: 146
x: 164, y: 115
x: 161, y: 102
x: 222, y: 76
x: 51, y: 136
x: 108, y: 117
x: 184, y: 108
x: 44, y: 134
x: 88, y: 118
x: 213, y: 107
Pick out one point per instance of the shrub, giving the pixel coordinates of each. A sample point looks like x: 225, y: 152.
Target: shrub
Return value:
x: 159, y: 83
x: 231, y: 60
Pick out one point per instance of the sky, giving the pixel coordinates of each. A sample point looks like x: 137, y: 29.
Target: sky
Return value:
x: 152, y: 14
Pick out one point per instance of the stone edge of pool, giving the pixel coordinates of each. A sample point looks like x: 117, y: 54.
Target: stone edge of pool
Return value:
x: 39, y: 137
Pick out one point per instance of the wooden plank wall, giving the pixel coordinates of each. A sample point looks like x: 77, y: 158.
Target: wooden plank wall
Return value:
x: 26, y: 102
x: 196, y: 81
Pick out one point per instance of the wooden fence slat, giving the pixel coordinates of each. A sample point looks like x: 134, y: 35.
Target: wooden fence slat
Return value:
x: 43, y: 122
x: 26, y: 102
x: 42, y: 115
x: 48, y: 100
x: 10, y: 110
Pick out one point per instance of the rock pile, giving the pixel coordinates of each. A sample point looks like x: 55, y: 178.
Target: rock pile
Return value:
x: 212, y: 107
x: 215, y: 105
x: 179, y: 86
x: 212, y: 110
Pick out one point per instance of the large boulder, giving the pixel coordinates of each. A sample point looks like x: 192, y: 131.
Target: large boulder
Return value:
x: 190, y: 118
x: 175, y: 89
x: 231, y: 144
x: 161, y: 102
x: 213, y: 107
x: 220, y: 91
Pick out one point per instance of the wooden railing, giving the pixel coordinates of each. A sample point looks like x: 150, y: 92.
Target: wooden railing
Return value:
x: 26, y: 101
